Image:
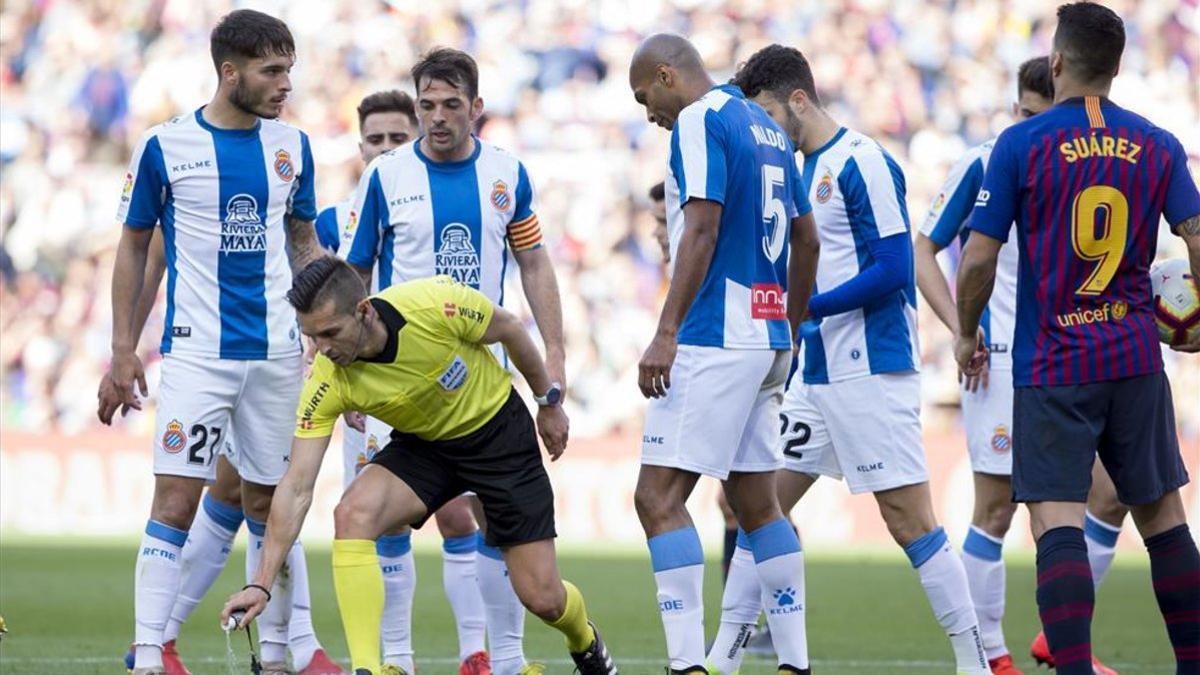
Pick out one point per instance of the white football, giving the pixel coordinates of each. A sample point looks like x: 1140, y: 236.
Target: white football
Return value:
x: 1176, y: 301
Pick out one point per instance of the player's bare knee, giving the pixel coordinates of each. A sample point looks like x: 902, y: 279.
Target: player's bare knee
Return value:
x: 176, y: 510
x: 1108, y: 510
x: 658, y: 512
x: 256, y: 502
x: 455, y: 519
x: 756, y: 515
x: 1159, y: 516
x: 905, y: 523
x: 228, y: 493
x: 996, y: 517
x: 175, y: 501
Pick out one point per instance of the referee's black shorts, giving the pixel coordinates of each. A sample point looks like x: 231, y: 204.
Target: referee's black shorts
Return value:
x: 500, y: 462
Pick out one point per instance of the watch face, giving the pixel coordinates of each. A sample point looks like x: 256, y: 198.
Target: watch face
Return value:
x: 553, y: 396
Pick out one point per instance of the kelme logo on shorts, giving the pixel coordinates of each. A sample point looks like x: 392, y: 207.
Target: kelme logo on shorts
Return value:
x: 455, y: 375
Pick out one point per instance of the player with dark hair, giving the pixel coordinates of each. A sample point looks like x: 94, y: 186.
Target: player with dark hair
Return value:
x: 453, y: 204
x: 232, y: 190
x: 854, y: 411
x: 987, y: 397
x: 416, y: 356
x: 1087, y: 183
x: 716, y: 366
x: 386, y: 120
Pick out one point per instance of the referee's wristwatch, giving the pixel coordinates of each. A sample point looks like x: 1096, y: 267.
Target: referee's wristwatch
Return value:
x: 552, y: 397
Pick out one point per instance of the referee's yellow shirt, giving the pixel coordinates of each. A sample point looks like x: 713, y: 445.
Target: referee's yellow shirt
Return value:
x: 434, y: 379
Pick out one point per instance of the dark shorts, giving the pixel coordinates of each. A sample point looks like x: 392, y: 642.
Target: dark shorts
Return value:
x: 500, y: 462
x: 1130, y: 423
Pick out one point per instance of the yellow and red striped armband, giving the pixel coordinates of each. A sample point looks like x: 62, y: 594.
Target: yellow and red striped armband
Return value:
x: 525, y: 234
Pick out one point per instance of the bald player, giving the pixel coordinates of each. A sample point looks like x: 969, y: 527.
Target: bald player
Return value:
x: 715, y: 369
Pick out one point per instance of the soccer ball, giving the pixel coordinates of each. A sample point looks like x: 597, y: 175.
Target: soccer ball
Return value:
x: 1176, y: 301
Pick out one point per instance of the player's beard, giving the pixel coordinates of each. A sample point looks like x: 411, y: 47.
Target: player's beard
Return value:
x: 245, y: 99
x: 794, y: 128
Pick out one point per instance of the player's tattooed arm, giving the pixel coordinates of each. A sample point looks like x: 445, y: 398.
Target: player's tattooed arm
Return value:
x: 302, y: 244
x: 1189, y: 227
x: 1190, y: 231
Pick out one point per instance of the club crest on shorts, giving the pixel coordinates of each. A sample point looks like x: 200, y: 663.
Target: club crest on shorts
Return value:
x: 173, y: 439
x: 501, y: 199
x: 825, y: 188
x: 283, y: 166
x: 1001, y: 441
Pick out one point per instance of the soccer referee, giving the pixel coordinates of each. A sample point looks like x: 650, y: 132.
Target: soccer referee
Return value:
x: 414, y: 356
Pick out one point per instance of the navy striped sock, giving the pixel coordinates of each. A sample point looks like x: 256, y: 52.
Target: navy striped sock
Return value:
x: 1066, y: 598
x: 1175, y: 569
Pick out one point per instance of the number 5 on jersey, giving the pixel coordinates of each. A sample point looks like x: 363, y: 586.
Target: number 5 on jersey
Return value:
x: 774, y: 213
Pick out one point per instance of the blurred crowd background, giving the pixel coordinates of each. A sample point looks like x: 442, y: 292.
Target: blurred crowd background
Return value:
x: 80, y: 80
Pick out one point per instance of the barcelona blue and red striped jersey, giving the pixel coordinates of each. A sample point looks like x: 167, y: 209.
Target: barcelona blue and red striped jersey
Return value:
x: 1086, y: 183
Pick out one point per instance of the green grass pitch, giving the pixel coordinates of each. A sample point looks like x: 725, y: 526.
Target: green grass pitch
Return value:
x: 69, y: 610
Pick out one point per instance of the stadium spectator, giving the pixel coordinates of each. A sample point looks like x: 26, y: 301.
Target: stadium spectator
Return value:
x: 77, y: 77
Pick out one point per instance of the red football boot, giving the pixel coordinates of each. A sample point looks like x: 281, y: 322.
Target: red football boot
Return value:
x: 476, y: 664
x: 321, y: 664
x: 171, y: 661
x: 1003, y: 665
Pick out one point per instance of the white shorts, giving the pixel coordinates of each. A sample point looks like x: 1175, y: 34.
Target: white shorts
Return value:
x: 358, y: 447
x: 204, y: 402
x: 867, y: 430
x: 720, y: 414
x: 987, y: 418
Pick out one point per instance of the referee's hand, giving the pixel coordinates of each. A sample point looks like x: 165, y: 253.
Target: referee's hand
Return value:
x: 250, y: 600
x: 552, y: 426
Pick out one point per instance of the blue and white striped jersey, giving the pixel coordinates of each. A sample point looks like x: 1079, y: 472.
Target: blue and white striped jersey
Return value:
x: 857, y: 192
x: 221, y: 196
x: 414, y: 217
x: 331, y: 227
x: 946, y: 223
x: 728, y: 150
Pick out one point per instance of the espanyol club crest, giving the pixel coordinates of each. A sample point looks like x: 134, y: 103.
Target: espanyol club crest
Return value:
x: 1001, y: 441
x: 500, y: 197
x: 825, y: 188
x: 283, y: 166
x: 173, y: 439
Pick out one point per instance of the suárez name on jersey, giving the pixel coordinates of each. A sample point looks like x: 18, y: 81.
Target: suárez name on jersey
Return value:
x: 771, y: 137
